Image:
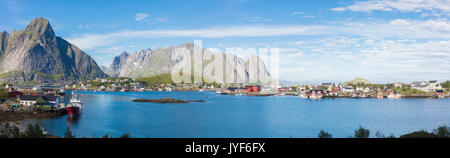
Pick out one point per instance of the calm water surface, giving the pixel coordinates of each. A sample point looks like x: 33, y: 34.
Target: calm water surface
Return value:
x: 246, y: 116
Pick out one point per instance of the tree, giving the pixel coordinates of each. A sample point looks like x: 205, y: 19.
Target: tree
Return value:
x: 40, y: 101
x: 125, y: 135
x: 323, y: 134
x: 106, y: 136
x: 442, y: 132
x: 362, y: 133
x: 34, y: 131
x: 68, y: 133
x: 10, y: 131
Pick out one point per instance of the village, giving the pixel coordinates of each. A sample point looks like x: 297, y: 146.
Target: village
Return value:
x: 51, y: 98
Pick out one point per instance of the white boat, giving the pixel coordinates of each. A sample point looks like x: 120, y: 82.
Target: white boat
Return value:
x: 394, y: 96
x: 200, y: 90
x: 315, y: 96
x: 219, y: 92
x: 303, y: 95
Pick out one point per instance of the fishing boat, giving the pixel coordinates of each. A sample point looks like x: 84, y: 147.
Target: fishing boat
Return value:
x: 395, y: 95
x: 74, y: 106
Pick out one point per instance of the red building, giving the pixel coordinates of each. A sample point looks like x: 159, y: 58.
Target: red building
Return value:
x: 255, y: 88
x: 14, y: 94
x: 283, y: 89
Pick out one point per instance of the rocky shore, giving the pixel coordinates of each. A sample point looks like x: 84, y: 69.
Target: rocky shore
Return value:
x: 19, y: 115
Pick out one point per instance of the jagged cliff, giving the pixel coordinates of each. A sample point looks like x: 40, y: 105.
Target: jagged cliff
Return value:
x: 153, y: 62
x: 37, y: 54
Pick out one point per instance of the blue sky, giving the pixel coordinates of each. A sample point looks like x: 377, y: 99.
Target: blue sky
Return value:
x: 320, y: 40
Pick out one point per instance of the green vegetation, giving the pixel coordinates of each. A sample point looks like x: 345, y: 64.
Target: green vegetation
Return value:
x: 40, y: 101
x: 446, y: 84
x: 33, y: 132
x: 125, y: 135
x: 3, y: 94
x: 410, y: 91
x: 158, y: 79
x: 10, y: 132
x: 440, y: 132
x: 362, y: 133
x: 323, y: 134
x: 50, y: 76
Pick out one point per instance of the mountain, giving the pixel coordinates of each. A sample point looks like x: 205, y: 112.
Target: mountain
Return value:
x: 154, y: 62
x: 36, y: 54
x: 103, y: 68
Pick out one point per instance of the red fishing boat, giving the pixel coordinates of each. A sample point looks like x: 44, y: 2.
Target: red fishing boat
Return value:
x: 74, y: 107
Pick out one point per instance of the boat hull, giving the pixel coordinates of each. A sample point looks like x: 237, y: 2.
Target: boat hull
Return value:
x: 73, y: 111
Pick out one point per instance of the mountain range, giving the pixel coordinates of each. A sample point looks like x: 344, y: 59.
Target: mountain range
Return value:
x: 36, y: 54
x: 149, y: 62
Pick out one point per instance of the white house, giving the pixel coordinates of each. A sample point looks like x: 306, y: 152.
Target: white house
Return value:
x: 348, y: 89
x: 430, y: 86
x: 30, y: 100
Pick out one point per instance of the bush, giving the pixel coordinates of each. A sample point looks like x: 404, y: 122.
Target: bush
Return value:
x: 362, y: 133
x: 34, y: 131
x: 440, y: 132
x: 10, y: 132
x: 323, y: 134
x: 125, y: 135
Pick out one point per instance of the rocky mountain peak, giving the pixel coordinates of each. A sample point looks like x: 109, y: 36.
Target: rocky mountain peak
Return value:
x: 36, y: 54
x: 124, y: 54
x: 41, y: 27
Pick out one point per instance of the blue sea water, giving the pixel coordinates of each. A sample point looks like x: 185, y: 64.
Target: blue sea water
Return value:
x: 223, y: 116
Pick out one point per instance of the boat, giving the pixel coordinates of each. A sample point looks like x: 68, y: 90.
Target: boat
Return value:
x: 200, y: 90
x: 395, y: 95
x: 380, y: 95
x: 219, y: 92
x: 315, y: 96
x: 74, y: 106
x: 303, y: 95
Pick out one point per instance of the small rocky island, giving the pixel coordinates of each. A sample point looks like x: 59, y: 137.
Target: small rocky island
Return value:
x: 166, y: 100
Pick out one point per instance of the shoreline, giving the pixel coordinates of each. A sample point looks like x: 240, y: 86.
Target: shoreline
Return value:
x: 286, y: 94
x: 16, y: 117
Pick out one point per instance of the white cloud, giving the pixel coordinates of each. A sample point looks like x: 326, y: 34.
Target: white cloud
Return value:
x: 81, y: 26
x: 161, y: 20
x: 399, y: 5
x: 399, y: 28
x: 257, y: 19
x: 339, y: 9
x: 141, y: 16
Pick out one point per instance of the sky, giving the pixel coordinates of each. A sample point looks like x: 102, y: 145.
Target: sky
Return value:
x: 320, y: 41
